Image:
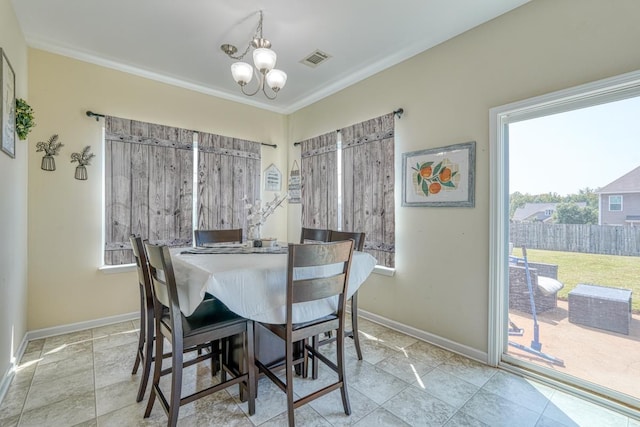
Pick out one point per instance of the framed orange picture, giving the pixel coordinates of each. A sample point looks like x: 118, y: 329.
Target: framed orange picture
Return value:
x: 440, y: 177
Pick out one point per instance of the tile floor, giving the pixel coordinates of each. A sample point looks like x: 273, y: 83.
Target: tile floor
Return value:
x: 84, y: 379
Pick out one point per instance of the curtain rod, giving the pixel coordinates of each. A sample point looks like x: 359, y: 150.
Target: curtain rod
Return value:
x: 399, y: 112
x: 98, y: 116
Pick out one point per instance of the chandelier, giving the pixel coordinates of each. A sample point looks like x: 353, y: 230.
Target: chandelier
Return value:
x: 264, y: 60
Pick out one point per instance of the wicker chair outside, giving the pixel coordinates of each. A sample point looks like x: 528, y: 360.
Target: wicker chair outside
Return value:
x: 519, y: 291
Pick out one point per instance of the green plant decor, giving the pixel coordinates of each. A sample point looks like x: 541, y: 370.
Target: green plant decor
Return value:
x: 24, y: 118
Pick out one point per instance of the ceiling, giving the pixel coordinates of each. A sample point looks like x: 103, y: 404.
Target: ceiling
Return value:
x: 178, y: 42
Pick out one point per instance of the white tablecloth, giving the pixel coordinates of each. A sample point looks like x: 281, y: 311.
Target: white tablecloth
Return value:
x: 253, y: 285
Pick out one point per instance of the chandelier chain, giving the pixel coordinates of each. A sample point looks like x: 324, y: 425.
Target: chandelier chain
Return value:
x: 257, y: 35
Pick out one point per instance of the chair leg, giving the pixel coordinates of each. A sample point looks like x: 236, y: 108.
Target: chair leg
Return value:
x: 148, y: 353
x: 159, y: 344
x: 141, y: 334
x: 341, y: 376
x: 314, y: 359
x: 289, y: 385
x: 251, y: 368
x: 176, y: 381
x: 354, y: 324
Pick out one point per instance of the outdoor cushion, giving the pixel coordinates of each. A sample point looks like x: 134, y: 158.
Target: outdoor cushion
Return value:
x: 549, y: 286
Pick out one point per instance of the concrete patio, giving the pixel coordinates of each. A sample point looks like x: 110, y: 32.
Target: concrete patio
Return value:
x: 606, y: 358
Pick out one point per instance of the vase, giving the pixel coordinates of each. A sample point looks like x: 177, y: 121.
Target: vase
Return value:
x: 48, y: 163
x: 253, y: 233
x: 81, y: 172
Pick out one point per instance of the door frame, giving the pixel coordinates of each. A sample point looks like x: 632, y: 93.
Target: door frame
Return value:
x: 599, y: 92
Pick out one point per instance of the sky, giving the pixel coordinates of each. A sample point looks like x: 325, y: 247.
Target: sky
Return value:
x: 567, y: 152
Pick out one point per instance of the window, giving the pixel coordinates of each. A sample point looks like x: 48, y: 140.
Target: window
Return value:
x: 150, y: 189
x: 615, y: 203
x: 348, y: 184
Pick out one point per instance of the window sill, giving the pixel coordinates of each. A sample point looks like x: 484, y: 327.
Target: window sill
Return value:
x: 115, y: 269
x: 384, y: 271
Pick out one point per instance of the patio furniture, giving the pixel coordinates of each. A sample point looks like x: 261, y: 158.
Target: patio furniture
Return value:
x: 551, y: 288
x: 601, y: 307
x: 545, y: 286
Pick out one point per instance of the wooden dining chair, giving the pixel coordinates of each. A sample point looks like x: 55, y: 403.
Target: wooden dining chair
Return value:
x: 144, y: 355
x: 211, y: 321
x: 358, y: 242
x: 310, y: 287
x: 314, y: 235
x: 202, y: 237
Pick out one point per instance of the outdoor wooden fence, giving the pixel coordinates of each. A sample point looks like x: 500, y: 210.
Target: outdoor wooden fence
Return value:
x: 595, y: 239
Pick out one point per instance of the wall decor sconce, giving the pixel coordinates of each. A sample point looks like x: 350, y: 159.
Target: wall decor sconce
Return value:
x: 51, y: 148
x: 83, y: 158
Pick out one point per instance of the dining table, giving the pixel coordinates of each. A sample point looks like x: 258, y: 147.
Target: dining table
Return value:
x: 252, y: 281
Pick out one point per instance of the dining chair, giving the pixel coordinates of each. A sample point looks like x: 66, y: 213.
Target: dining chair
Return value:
x: 144, y: 355
x: 319, y: 282
x: 211, y: 321
x: 358, y: 243
x: 202, y: 237
x: 314, y: 235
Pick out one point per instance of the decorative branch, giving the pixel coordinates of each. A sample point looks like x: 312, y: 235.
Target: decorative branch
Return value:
x: 257, y: 214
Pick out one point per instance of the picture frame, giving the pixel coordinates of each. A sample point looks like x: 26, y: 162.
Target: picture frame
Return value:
x: 440, y: 177
x: 7, y: 106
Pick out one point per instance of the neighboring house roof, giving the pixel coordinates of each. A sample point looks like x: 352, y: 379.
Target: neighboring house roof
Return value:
x: 627, y: 183
x: 534, y: 211
x: 538, y: 211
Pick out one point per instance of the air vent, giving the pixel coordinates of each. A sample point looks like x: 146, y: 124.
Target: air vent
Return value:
x: 315, y: 58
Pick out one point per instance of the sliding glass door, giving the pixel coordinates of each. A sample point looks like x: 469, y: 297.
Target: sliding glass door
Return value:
x: 566, y: 237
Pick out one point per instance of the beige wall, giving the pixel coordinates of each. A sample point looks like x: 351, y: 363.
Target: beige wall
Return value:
x: 65, y: 223
x: 441, y: 284
x: 13, y: 208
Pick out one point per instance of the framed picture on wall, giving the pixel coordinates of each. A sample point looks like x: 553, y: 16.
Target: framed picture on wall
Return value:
x: 8, y: 106
x: 442, y: 176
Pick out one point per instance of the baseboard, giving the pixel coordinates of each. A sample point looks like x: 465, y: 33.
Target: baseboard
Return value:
x: 79, y: 326
x: 453, y: 346
x: 8, y: 376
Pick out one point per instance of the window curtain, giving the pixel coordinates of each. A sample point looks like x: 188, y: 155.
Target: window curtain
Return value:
x: 148, y: 186
x: 228, y: 170
x: 318, y: 170
x: 368, y: 185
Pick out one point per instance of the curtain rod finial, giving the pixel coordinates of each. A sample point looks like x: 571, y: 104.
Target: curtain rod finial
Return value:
x: 399, y: 112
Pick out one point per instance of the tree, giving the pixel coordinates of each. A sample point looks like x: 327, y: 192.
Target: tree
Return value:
x: 571, y: 213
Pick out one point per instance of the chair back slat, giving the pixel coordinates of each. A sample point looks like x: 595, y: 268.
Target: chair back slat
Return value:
x: 315, y: 289
x: 314, y: 235
x: 314, y: 254
x: 358, y: 238
x: 316, y: 271
x: 202, y: 237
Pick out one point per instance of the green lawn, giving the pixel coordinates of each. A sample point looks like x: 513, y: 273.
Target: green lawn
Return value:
x: 605, y: 270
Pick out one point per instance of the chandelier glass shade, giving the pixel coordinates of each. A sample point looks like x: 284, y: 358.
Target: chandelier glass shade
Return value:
x: 264, y: 62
